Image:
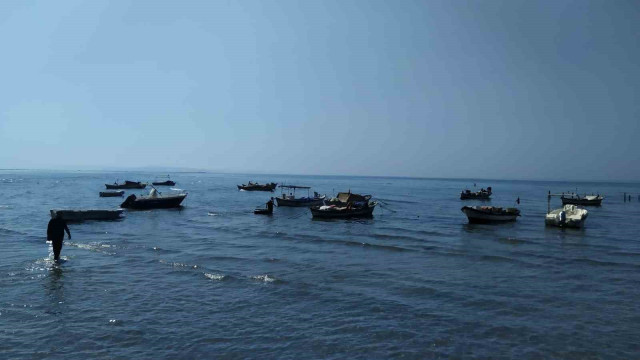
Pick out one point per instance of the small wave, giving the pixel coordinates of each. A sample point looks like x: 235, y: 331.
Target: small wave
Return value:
x: 9, y: 231
x: 265, y: 278
x: 178, y: 264
x: 216, y: 277
x: 211, y: 213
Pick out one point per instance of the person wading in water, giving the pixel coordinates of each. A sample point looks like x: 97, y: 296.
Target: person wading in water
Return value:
x: 55, y: 233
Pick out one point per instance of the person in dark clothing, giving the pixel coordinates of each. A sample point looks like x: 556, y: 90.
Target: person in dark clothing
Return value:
x: 270, y: 205
x: 55, y: 233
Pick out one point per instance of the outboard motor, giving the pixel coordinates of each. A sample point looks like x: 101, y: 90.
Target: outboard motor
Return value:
x: 129, y: 200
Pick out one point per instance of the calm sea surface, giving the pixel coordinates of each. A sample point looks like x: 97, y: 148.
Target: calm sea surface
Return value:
x: 416, y: 281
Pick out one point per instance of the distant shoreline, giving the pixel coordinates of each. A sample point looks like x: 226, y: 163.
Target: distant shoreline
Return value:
x: 200, y: 171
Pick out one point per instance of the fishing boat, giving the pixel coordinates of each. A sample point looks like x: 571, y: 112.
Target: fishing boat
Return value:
x: 345, y: 206
x: 87, y: 214
x: 127, y: 185
x: 478, y: 195
x: 111, y: 193
x: 569, y: 216
x: 167, y: 182
x: 585, y: 200
x: 251, y: 186
x: 293, y: 201
x: 154, y: 200
x: 489, y: 214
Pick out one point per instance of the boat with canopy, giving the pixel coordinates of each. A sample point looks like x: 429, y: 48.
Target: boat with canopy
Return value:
x: 293, y: 201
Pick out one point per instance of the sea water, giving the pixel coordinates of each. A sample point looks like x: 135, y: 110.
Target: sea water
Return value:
x: 214, y: 280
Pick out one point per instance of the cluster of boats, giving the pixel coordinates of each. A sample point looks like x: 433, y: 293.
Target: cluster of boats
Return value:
x: 154, y: 200
x: 569, y: 216
x: 343, y: 206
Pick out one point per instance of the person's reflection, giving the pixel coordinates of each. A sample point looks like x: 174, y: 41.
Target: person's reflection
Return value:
x: 54, y: 287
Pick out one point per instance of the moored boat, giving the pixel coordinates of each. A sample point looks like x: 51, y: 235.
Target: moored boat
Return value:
x: 293, y: 201
x: 167, y: 182
x: 87, y: 214
x: 127, y: 185
x: 154, y: 200
x: 489, y: 214
x: 478, y: 195
x: 345, y: 206
x: 251, y: 186
x: 585, y: 200
x: 111, y: 193
x: 569, y: 216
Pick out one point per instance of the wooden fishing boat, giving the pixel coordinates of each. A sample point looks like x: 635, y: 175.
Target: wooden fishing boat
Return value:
x: 478, y: 195
x: 293, y: 201
x: 585, y: 200
x: 87, y: 214
x: 343, y: 212
x: 569, y: 216
x: 127, y: 185
x: 251, y: 186
x: 154, y: 200
x: 489, y: 214
x: 344, y: 206
x: 111, y: 193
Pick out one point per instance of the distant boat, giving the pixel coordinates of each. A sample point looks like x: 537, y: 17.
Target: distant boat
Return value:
x: 164, y: 183
x: 488, y: 214
x: 111, y: 193
x: 127, y: 185
x: 345, y: 206
x: 293, y: 201
x: 478, y: 195
x: 87, y: 214
x: 167, y: 182
x: 153, y: 201
x: 568, y: 216
x: 586, y: 200
x: 251, y: 186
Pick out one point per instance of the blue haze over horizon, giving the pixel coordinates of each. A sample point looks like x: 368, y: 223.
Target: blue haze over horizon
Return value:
x: 438, y: 89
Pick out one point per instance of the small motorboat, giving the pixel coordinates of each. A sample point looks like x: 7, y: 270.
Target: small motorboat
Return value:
x: 343, y: 198
x: 585, y: 200
x: 569, y: 216
x: 154, y: 200
x: 127, y: 185
x: 87, y: 214
x: 293, y: 201
x: 251, y: 186
x: 112, y: 193
x: 164, y: 183
x: 478, y: 195
x: 489, y: 214
x: 167, y: 182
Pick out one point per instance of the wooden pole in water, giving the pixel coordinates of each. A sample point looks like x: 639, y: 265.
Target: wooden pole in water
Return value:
x: 549, y: 202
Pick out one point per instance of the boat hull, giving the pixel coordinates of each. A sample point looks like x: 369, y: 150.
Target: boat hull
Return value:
x: 475, y: 196
x: 147, y: 203
x: 267, y: 187
x: 365, y: 212
x: 567, y: 217
x: 125, y: 186
x: 164, y: 183
x: 483, y: 217
x: 300, y: 202
x: 581, y: 201
x: 89, y: 214
x: 111, y: 193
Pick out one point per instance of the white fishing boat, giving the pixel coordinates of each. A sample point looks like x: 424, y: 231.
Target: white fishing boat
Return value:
x: 87, y: 214
x: 490, y: 214
x: 569, y: 216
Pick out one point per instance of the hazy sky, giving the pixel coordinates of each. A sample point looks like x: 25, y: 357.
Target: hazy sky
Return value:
x: 486, y: 89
